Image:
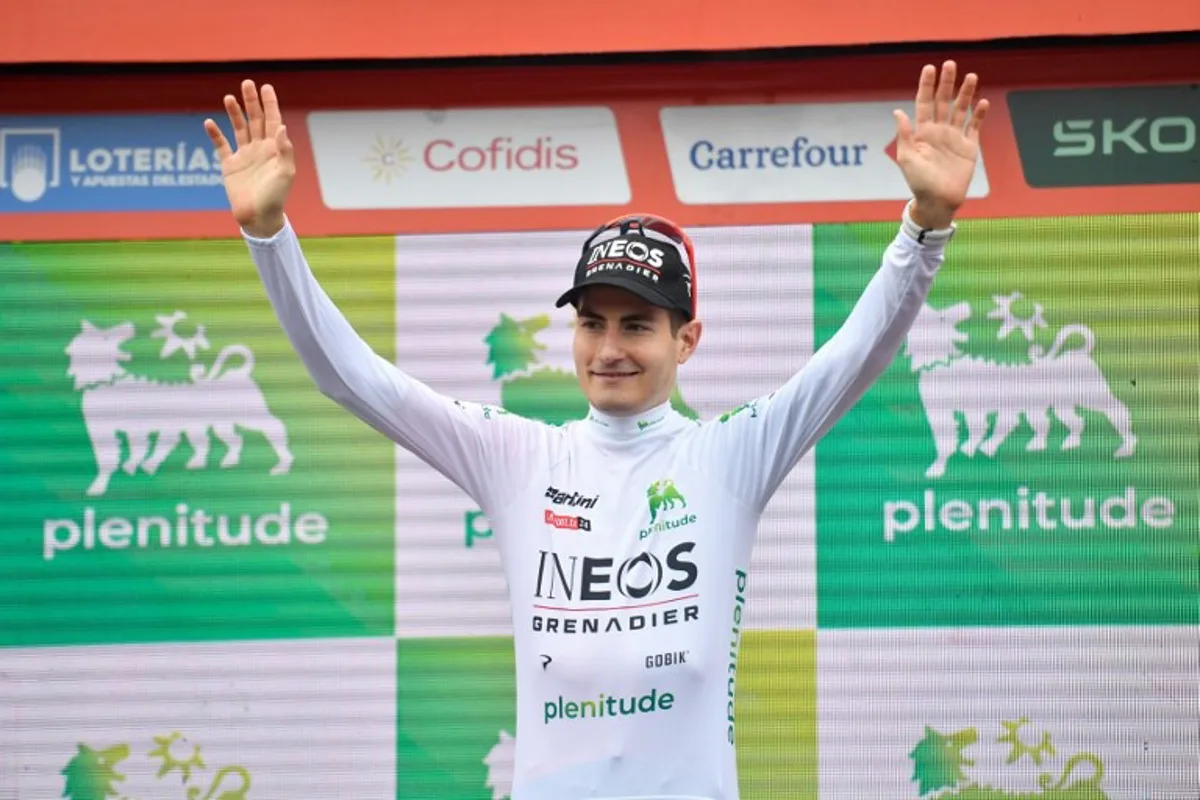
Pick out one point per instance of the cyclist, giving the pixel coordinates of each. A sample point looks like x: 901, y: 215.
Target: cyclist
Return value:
x: 625, y: 536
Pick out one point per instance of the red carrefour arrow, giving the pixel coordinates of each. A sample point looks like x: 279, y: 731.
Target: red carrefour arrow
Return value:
x: 891, y: 148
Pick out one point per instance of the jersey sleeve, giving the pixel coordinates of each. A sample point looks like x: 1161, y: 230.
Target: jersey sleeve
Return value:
x: 473, y: 445
x: 753, y: 448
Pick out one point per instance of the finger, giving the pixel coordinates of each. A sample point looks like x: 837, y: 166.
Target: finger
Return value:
x: 977, y: 120
x: 274, y: 118
x: 904, y: 131
x: 924, y: 109
x: 945, y: 91
x: 241, y: 133
x: 254, y: 110
x: 220, y: 143
x: 962, y: 105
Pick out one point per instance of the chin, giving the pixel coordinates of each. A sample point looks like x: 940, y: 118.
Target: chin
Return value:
x: 615, y: 403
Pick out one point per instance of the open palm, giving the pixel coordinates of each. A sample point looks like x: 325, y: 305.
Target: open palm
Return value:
x: 938, y: 150
x: 258, y: 175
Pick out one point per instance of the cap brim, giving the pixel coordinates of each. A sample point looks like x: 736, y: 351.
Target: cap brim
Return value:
x: 647, y: 293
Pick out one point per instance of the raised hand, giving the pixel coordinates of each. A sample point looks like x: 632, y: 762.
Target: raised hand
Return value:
x: 938, y: 153
x: 258, y: 175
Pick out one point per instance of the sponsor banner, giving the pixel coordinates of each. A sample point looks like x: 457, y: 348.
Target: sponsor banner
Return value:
x: 119, y: 162
x: 172, y: 473
x: 1028, y: 458
x: 184, y: 722
x: 457, y: 719
x: 469, y: 158
x: 1009, y: 713
x: 503, y: 343
x: 1114, y: 136
x: 788, y: 153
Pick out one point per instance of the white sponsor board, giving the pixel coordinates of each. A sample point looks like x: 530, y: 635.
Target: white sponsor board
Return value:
x: 1103, y: 712
x: 469, y: 158
x: 180, y: 722
x: 755, y: 298
x: 788, y: 153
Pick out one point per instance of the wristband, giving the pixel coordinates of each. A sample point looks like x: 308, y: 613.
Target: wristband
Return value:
x: 924, y: 235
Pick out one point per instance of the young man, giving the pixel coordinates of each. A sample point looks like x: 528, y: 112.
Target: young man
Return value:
x: 625, y: 536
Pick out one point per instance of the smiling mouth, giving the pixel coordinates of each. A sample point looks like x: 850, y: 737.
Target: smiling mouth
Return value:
x: 614, y: 374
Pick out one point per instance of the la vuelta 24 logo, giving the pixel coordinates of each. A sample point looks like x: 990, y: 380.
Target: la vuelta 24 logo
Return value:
x: 96, y: 773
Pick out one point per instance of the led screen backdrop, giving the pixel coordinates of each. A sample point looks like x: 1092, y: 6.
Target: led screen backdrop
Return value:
x: 981, y: 584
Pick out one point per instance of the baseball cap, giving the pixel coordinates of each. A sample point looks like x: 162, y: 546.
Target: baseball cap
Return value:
x: 647, y: 255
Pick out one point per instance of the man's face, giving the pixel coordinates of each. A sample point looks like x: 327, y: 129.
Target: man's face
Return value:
x: 626, y: 355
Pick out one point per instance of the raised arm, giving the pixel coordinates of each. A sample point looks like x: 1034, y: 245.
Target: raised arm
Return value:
x: 463, y: 441
x: 763, y: 441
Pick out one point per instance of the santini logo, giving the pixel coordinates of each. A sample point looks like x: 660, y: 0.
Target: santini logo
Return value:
x: 573, y: 499
x: 604, y: 706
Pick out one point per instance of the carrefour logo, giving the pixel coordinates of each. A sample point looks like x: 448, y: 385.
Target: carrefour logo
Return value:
x: 800, y: 152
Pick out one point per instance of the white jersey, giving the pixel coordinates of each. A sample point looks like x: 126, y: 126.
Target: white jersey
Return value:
x: 626, y: 542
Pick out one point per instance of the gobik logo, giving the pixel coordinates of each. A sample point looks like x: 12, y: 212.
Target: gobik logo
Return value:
x: 610, y: 597
x: 1054, y: 384
x: 605, y: 706
x: 152, y: 418
x: 663, y: 496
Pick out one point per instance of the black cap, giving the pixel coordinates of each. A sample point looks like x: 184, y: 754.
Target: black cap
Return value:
x: 640, y: 260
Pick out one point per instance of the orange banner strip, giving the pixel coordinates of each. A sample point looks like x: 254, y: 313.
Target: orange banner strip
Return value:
x: 188, y: 31
x: 636, y: 95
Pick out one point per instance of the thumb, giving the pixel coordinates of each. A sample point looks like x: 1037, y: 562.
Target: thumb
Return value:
x: 284, y: 143
x: 904, y: 131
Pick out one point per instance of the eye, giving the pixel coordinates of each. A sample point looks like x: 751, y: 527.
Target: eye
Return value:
x: 589, y: 324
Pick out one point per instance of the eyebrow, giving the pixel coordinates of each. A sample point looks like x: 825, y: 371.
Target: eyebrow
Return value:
x: 635, y: 317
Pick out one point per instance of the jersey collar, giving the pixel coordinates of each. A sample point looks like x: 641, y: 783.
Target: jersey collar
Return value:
x: 651, y: 422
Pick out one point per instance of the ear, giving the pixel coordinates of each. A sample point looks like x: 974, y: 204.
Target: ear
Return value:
x: 689, y: 339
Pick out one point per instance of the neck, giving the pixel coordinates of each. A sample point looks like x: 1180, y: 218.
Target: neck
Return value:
x: 633, y: 426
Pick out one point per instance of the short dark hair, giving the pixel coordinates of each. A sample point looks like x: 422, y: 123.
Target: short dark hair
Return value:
x: 678, y: 320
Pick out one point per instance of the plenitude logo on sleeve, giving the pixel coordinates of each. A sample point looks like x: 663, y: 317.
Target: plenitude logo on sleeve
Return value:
x: 469, y: 158
x: 812, y: 152
x: 183, y: 439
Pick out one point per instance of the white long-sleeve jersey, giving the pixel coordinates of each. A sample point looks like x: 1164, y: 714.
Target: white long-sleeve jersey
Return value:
x: 626, y: 542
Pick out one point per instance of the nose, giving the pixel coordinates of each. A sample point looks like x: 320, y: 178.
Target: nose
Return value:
x: 610, y: 347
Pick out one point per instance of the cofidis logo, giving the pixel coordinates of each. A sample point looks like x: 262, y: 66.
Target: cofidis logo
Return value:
x: 469, y: 157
